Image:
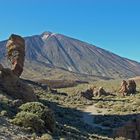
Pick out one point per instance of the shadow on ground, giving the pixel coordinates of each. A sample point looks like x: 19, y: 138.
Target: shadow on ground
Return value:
x: 71, y: 122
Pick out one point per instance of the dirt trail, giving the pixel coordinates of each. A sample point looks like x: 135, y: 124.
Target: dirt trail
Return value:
x: 89, y: 113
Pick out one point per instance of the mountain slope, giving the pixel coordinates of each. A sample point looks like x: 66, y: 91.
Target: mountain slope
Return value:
x: 56, y: 51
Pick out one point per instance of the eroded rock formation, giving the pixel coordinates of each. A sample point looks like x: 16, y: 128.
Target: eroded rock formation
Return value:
x: 99, y: 92
x: 123, y: 88
x: 131, y: 87
x: 16, y: 53
x: 88, y: 94
x: 93, y: 92
x: 128, y: 87
x: 9, y: 78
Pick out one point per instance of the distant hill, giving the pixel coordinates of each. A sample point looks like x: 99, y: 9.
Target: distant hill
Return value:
x: 49, y: 54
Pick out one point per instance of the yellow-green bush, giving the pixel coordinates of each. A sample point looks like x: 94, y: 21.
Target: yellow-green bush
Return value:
x: 46, y: 137
x: 29, y: 120
x: 34, y: 107
x: 43, y: 112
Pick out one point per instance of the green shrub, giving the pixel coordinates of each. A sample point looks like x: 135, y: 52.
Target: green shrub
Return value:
x: 43, y: 112
x: 3, y: 113
x: 137, y: 102
x: 29, y: 120
x: 46, y: 137
x: 119, y: 108
x: 35, y: 108
x: 99, y: 105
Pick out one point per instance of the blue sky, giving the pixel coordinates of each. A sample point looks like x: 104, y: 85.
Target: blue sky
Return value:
x: 110, y: 24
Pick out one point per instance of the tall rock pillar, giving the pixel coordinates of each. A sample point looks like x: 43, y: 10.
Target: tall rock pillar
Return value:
x: 16, y: 53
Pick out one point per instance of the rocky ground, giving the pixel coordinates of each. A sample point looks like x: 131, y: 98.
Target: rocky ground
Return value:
x: 77, y: 118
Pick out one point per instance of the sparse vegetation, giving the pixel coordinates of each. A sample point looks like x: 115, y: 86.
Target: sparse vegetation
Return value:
x: 61, y: 83
x: 46, y: 137
x: 68, y: 107
x: 29, y: 120
x: 35, y: 111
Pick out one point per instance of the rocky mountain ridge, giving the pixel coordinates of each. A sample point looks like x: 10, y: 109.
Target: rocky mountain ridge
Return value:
x: 55, y: 51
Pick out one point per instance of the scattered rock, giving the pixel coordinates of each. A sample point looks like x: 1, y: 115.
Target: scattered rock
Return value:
x: 130, y: 130
x: 93, y: 92
x: 9, y: 131
x: 16, y: 103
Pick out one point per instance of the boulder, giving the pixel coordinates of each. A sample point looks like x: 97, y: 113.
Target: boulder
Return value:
x: 128, y: 87
x: 131, y: 87
x: 93, y: 92
x: 14, y: 87
x: 123, y: 88
x: 101, y: 92
x: 88, y: 94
